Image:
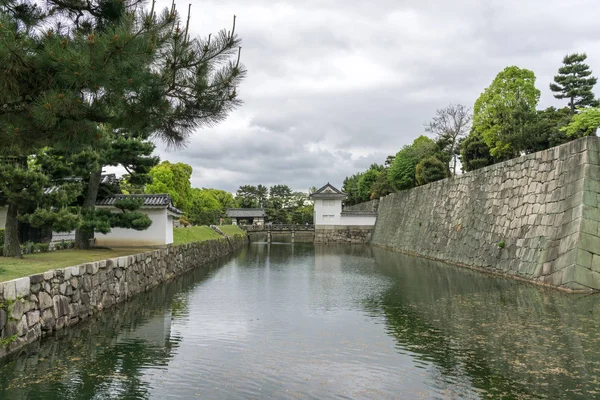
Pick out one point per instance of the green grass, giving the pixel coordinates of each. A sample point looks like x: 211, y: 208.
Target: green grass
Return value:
x: 231, y: 230
x: 12, y: 268
x: 193, y: 234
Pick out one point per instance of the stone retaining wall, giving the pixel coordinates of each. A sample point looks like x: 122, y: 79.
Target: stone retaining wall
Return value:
x: 366, y: 206
x: 343, y: 234
x: 41, y: 304
x: 535, y: 217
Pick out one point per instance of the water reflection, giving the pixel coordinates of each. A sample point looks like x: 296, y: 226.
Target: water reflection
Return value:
x: 295, y: 320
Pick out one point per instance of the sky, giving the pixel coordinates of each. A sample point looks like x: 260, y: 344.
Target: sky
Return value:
x: 336, y: 85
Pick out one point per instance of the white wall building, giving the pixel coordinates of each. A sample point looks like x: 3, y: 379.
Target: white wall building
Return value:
x: 328, y: 210
x: 160, y: 209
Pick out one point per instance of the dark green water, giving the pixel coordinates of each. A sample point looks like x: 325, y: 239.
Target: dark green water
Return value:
x: 324, y: 322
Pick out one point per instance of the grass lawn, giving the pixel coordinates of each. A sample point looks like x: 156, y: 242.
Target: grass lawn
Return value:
x: 12, y: 268
x: 231, y: 230
x: 193, y: 234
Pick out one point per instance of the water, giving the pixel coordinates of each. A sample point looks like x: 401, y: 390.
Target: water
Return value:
x: 324, y: 322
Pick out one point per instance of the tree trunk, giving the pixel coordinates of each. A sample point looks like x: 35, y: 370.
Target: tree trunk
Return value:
x: 12, y: 247
x: 83, y: 236
x: 572, y: 106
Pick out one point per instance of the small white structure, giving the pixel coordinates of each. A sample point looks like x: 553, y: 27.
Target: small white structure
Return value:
x: 160, y: 209
x: 252, y: 216
x: 328, y: 210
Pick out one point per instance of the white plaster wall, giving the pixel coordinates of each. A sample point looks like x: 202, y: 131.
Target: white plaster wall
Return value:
x: 154, y: 235
x: 3, y: 211
x: 169, y: 229
x: 335, y: 210
x: 359, y: 220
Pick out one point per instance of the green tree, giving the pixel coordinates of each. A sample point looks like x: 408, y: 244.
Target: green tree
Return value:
x: 450, y: 124
x: 574, y: 82
x: 545, y: 132
x: 173, y: 179
x: 382, y: 186
x: 247, y: 196
x: 71, y: 66
x: 204, y: 208
x: 474, y: 152
x: 585, y: 123
x: 350, y: 187
x: 505, y: 110
x: 402, y: 173
x: 430, y: 169
x: 366, y: 182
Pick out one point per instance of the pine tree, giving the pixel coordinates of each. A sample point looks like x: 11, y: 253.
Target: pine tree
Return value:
x: 71, y: 67
x: 574, y: 82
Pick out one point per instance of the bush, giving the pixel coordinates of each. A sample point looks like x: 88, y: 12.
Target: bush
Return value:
x: 43, y: 247
x: 1, y: 237
x: 430, y: 169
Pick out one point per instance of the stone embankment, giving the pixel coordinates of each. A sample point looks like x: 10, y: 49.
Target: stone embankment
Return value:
x: 535, y: 217
x: 38, y: 305
x: 343, y: 234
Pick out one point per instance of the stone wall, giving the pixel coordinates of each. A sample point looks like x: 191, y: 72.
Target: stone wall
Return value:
x: 366, y: 206
x: 343, y: 234
x: 535, y: 217
x: 41, y: 304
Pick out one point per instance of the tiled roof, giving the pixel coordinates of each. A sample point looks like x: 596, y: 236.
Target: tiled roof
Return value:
x: 107, y: 179
x: 246, y: 212
x: 150, y: 201
x: 328, y: 192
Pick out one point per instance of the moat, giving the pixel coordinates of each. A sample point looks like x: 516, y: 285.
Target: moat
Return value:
x: 288, y: 321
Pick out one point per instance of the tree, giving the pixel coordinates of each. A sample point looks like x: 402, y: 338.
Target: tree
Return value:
x: 574, y: 82
x: 350, y: 187
x: 545, y: 132
x: 585, y: 123
x: 505, y: 110
x: 382, y: 186
x: 451, y: 123
x: 173, y: 179
x: 475, y: 153
x: 429, y: 170
x: 247, y: 197
x: 366, y: 182
x: 204, y: 208
x: 402, y: 173
x: 72, y: 66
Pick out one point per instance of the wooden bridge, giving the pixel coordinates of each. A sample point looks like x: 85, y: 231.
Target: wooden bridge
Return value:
x: 277, y: 227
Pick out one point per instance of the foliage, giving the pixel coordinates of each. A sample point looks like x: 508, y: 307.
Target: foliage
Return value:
x: 282, y: 205
x: 506, y: 108
x: 546, y: 131
x: 574, y: 82
x: 248, y: 196
x: 402, y: 173
x: 450, y: 125
x: 430, y: 169
x: 585, y: 123
x: 366, y: 182
x: 173, y: 179
x: 1, y: 237
x: 475, y: 153
x: 381, y: 187
x: 205, y: 209
x: 350, y: 187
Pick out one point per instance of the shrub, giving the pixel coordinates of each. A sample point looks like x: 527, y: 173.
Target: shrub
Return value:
x: 430, y: 169
x: 1, y: 237
x: 43, y: 247
x: 501, y: 244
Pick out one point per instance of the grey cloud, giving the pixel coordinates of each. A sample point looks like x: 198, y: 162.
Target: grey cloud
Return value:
x: 335, y: 85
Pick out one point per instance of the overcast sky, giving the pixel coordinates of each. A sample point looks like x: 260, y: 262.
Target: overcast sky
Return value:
x: 335, y: 85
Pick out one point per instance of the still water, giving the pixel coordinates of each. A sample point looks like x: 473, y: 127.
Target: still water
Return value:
x: 286, y: 321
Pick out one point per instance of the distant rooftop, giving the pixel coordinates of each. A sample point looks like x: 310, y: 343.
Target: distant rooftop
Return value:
x: 150, y: 201
x: 246, y: 212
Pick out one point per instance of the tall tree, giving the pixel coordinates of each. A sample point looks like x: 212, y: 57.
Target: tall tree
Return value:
x: 504, y: 112
x: 247, y: 196
x: 173, y: 179
x: 474, y: 152
x: 402, y: 173
x: 451, y: 123
x: 585, y: 123
x: 366, y: 182
x: 574, y: 82
x: 71, y: 66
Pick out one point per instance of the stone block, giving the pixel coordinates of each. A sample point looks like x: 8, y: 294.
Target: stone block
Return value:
x: 16, y: 310
x: 22, y: 326
x: 23, y: 287
x: 61, y: 306
x: 76, y: 270
x: 39, y: 278
x: 590, y: 243
x: 10, y: 290
x: 48, y: 275
x: 123, y: 262
x: 33, y: 317
x: 45, y: 301
x: 584, y: 258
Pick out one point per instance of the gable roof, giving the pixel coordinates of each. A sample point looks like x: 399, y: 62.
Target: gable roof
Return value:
x: 150, y: 201
x: 246, y: 212
x: 328, y: 192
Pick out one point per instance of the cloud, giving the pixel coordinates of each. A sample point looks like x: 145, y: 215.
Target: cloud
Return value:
x: 335, y: 85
